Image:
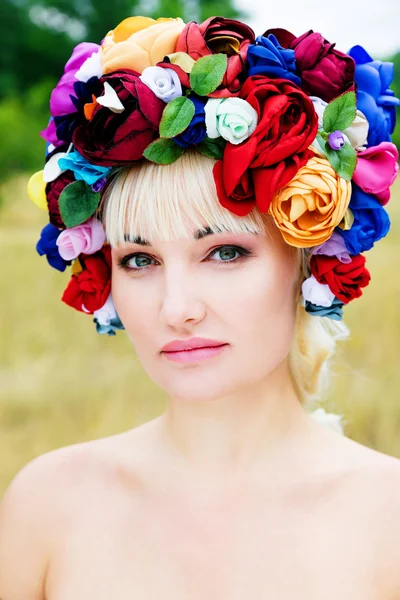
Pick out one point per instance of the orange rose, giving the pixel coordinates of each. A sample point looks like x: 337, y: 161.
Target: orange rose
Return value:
x: 139, y: 42
x: 307, y: 209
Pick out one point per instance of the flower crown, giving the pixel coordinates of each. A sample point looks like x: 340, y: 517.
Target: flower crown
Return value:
x: 298, y: 129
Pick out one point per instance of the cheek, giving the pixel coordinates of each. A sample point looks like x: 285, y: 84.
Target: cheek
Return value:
x: 263, y: 312
x: 133, y: 308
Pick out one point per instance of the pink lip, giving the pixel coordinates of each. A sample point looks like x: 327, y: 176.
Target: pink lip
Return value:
x: 194, y: 342
x: 192, y: 350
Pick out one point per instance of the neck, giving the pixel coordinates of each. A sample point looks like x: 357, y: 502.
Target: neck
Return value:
x: 251, y: 428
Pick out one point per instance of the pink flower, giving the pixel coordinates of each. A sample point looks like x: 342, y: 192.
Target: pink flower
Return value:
x: 376, y: 170
x: 86, y: 238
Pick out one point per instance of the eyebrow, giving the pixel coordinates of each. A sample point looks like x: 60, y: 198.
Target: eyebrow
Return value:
x: 198, y: 235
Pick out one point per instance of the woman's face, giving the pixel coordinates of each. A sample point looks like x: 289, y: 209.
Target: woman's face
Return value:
x: 238, y: 290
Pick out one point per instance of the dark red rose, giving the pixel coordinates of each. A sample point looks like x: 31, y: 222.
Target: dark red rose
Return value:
x: 278, y: 147
x: 53, y: 191
x: 324, y: 71
x: 92, y: 286
x: 219, y: 35
x: 345, y: 280
x: 111, y: 138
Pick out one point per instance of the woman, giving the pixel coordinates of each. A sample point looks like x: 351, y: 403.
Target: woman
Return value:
x: 235, y: 491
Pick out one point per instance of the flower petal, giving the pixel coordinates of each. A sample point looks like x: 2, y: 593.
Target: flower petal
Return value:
x: 110, y: 99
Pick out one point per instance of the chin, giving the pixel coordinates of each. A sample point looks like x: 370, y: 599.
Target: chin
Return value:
x: 202, y: 382
x: 199, y: 391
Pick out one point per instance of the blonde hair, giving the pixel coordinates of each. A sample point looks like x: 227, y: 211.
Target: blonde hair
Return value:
x: 158, y: 212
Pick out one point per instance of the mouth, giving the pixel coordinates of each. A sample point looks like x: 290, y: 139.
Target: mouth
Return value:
x: 192, y: 355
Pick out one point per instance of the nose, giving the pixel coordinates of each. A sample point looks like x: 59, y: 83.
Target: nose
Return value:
x: 182, y: 305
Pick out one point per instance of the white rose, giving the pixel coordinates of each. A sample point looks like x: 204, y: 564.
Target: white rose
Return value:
x: 356, y: 134
x: 106, y: 313
x: 319, y: 106
x: 317, y: 293
x: 234, y: 119
x: 163, y: 82
x: 90, y: 68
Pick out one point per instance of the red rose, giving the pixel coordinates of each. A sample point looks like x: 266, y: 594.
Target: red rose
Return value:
x: 53, y: 191
x: 278, y: 147
x: 92, y: 286
x: 240, y: 199
x: 111, y: 138
x: 219, y: 35
x: 344, y: 280
x: 324, y: 71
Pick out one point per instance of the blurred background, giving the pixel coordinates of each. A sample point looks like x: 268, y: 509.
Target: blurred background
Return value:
x: 60, y: 382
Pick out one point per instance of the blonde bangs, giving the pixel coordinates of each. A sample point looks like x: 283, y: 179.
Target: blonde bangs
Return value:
x: 163, y: 202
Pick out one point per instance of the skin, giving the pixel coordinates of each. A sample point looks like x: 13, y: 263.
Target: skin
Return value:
x: 234, y: 492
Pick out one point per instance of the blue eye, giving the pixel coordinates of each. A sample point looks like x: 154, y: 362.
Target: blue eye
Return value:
x: 226, y: 254
x: 229, y: 254
x: 141, y: 261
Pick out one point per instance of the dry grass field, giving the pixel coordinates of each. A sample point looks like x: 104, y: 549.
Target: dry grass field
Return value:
x: 62, y: 383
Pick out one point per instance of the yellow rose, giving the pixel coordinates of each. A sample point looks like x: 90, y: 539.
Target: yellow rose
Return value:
x: 139, y: 42
x: 307, y: 209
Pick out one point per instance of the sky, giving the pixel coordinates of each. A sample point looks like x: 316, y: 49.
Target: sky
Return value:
x: 375, y: 25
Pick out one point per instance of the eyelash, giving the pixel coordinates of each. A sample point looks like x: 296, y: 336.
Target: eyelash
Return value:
x: 243, y: 252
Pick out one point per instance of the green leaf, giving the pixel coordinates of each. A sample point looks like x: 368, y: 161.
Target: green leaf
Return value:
x: 344, y: 161
x: 207, y: 73
x: 77, y: 202
x: 176, y: 117
x: 163, y: 151
x: 214, y: 148
x: 340, y: 113
x: 320, y: 140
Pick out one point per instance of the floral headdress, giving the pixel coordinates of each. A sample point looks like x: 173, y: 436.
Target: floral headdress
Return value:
x: 298, y: 129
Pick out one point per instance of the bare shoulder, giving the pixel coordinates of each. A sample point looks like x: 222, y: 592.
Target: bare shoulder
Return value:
x: 383, y: 486
x: 37, y: 506
x: 371, y: 491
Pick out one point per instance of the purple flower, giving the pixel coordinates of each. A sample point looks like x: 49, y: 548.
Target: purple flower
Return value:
x: 99, y: 185
x: 336, y: 140
x: 60, y: 100
x: 334, y: 246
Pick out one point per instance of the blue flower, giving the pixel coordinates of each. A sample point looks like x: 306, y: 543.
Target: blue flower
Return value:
x: 48, y: 245
x: 82, y: 169
x: 267, y: 57
x: 334, y: 311
x: 111, y: 328
x: 196, y: 131
x: 66, y: 124
x: 371, y: 222
x: 374, y: 96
